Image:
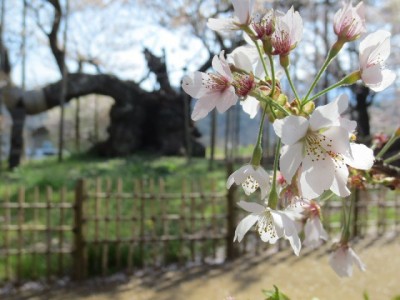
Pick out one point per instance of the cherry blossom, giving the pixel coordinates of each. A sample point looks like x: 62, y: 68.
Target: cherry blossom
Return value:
x: 320, y: 147
x: 374, y: 50
x: 242, y: 10
x: 246, y: 59
x: 314, y: 232
x: 342, y: 259
x: 288, y: 32
x: 264, y: 26
x: 251, y: 178
x: 212, y: 90
x: 349, y: 21
x: 271, y: 225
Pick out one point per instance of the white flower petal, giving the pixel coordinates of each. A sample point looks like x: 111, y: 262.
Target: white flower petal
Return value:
x: 270, y: 228
x: 221, y: 24
x: 314, y: 233
x: 316, y: 177
x: 252, y: 207
x: 291, y: 129
x: 374, y: 45
x: 339, y: 184
x: 387, y: 78
x: 228, y: 98
x: 363, y: 157
x: 244, y: 225
x: 220, y: 65
x: 372, y: 76
x: 329, y: 115
x: 349, y: 125
x: 192, y: 84
x: 281, y: 220
x: 341, y: 262
x: 290, y: 160
x: 238, y: 177
x: 243, y: 10
x: 374, y: 51
x: 357, y: 261
x: 202, y: 107
x: 241, y: 60
x: 338, y: 139
x: 250, y: 106
x: 262, y: 178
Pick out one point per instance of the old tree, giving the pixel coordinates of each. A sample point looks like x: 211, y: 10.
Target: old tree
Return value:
x: 140, y: 120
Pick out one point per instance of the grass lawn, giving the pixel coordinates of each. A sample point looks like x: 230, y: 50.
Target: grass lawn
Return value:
x: 48, y: 172
x: 37, y: 176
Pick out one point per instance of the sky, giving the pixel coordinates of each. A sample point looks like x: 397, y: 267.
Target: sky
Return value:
x: 116, y: 37
x: 118, y: 45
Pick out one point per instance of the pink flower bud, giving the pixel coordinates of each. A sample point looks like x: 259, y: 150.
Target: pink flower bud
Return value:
x: 349, y: 22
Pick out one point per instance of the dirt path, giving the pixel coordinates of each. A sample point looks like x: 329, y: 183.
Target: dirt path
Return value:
x: 301, y: 278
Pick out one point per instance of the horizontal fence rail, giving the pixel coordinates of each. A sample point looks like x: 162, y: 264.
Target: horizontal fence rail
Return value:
x: 105, y: 226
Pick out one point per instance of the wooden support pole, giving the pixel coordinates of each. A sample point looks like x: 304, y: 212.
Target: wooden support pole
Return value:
x: 231, y: 249
x: 79, y: 241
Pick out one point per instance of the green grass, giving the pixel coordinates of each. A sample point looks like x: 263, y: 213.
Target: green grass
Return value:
x: 49, y: 173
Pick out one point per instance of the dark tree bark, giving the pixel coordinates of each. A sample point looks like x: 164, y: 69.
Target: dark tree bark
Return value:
x: 17, y: 129
x: 363, y: 97
x: 140, y: 120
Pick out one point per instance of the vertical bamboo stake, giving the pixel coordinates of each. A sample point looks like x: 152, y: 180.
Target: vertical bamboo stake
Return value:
x: 21, y: 200
x: 7, y: 221
x: 96, y: 204
x: 384, y: 207
x: 118, y: 221
x: 356, y: 213
x: 79, y: 242
x: 142, y: 221
x: 192, y: 223
x: 202, y: 226
x: 182, y: 225
x: 164, y: 220
x: 49, y: 197
x: 231, y: 251
x: 61, y: 234
x: 214, y: 226
x: 104, y: 259
x: 96, y: 210
x: 380, y: 214
x: 132, y: 237
x: 152, y: 209
x: 36, y: 198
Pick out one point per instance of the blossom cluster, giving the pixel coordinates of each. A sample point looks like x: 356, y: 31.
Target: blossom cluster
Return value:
x: 315, y: 144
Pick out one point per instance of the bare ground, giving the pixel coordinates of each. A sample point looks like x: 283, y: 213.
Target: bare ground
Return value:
x: 301, y: 278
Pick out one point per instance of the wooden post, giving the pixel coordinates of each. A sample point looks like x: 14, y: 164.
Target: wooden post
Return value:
x: 356, y: 209
x: 231, y: 249
x: 7, y: 222
x: 79, y: 241
x: 118, y: 222
x: 104, y: 260
x: 49, y: 197
x: 61, y: 233
x: 21, y: 200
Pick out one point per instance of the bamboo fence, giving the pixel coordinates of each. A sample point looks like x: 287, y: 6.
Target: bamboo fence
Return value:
x: 104, y: 226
